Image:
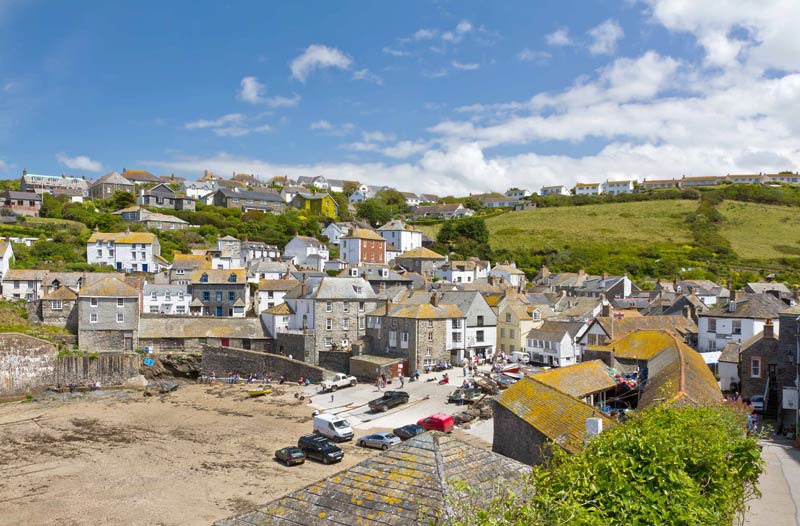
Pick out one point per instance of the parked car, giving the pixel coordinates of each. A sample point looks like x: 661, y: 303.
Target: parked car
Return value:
x: 290, y: 455
x: 389, y: 399
x: 757, y: 402
x: 334, y: 427
x: 340, y: 380
x: 409, y: 431
x: 437, y: 422
x: 320, y: 448
x: 379, y: 440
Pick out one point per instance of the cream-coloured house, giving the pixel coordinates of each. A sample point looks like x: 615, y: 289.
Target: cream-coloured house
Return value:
x: 514, y: 322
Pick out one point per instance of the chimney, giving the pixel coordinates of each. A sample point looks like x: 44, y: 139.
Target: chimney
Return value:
x: 606, y: 309
x: 545, y: 271
x: 24, y: 171
x: 124, y: 170
x: 303, y: 286
x: 581, y: 273
x: 435, y: 299
x: 769, y: 329
x: 594, y: 426
x: 687, y: 312
x: 605, y: 276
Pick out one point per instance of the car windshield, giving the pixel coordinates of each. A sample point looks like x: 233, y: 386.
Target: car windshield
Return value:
x: 341, y: 423
x: 389, y: 436
x: 297, y: 454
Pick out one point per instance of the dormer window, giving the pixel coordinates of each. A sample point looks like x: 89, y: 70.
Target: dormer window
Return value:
x: 232, y: 278
x: 204, y: 278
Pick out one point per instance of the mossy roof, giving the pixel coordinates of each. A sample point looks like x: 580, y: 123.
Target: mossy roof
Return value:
x: 579, y: 380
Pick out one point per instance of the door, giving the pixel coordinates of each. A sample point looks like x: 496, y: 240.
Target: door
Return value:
x: 144, y: 267
x: 225, y: 342
x: 219, y: 311
x: 119, y: 265
x: 128, y: 343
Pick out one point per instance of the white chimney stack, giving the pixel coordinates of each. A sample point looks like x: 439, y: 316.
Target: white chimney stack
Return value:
x: 594, y: 426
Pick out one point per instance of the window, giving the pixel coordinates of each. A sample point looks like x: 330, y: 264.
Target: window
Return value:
x: 180, y: 295
x: 329, y: 306
x: 93, y: 302
x: 404, y: 337
x: 179, y: 271
x: 456, y: 337
x: 99, y: 252
x: 712, y: 325
x: 154, y: 296
x: 231, y: 295
x: 755, y: 367
x: 153, y: 309
x: 511, y: 348
x: 204, y: 278
x: 737, y: 326
x: 361, y: 323
x: 328, y: 342
x: 480, y: 321
x: 232, y: 278
x: 180, y: 309
x: 361, y: 306
x: 430, y: 324
x: 167, y: 296
x: 508, y: 316
x: 328, y: 324
x: 133, y: 255
x: 358, y: 290
x: 93, y: 317
x: 120, y: 302
x: 206, y: 295
x: 218, y: 295
x: 430, y: 336
x: 457, y: 324
x: 346, y: 324
x: 346, y: 306
x: 510, y: 333
x: 479, y: 336
x: 56, y: 305
x: 120, y: 317
x: 712, y: 345
x: 429, y: 351
x: 537, y: 316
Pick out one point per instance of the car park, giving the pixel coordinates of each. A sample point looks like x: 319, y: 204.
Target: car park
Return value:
x: 382, y: 440
x: 320, y: 448
x: 409, y: 431
x: 388, y: 400
x: 290, y: 456
x: 334, y: 427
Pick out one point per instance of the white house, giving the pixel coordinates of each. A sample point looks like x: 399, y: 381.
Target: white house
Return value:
x: 359, y: 196
x: 411, y: 198
x: 262, y: 269
x: 618, y: 187
x: 289, y: 192
x: 6, y: 256
x: 272, y: 291
x: 198, y: 189
x: 553, y: 344
x: 27, y: 284
x: 307, y: 252
x: 555, y: 190
x: 256, y: 250
x: 588, y: 189
x: 166, y: 299
x: 517, y: 193
x: 742, y: 318
x: 128, y: 251
x: 463, y: 271
x: 400, y: 235
x: 510, y: 273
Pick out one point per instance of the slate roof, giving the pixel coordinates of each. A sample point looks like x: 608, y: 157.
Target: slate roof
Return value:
x: 199, y: 327
x: 437, y: 209
x: 325, y: 288
x: 420, y: 253
x: 619, y: 328
x: 579, y: 380
x: 255, y: 196
x: 27, y: 196
x: 110, y: 287
x: 730, y: 353
x: 395, y: 225
x: 755, y: 306
x: 554, y: 331
x: 61, y: 293
x: 308, y: 241
x: 406, y: 485
x: 220, y: 276
x: 421, y: 311
x: 123, y: 237
x: 140, y: 175
x: 193, y: 261
x: 264, y: 265
x: 18, y: 274
x: 761, y: 288
x: 507, y: 268
x: 277, y: 284
x: 554, y: 413
x: 112, y: 178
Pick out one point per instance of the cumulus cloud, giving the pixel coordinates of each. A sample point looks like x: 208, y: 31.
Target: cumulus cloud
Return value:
x: 252, y: 91
x: 396, y: 52
x: 316, y: 57
x: 530, y: 55
x: 365, y: 74
x: 465, y: 66
x: 321, y: 125
x: 328, y: 128
x: 230, y: 125
x: 214, y: 123
x: 605, y: 37
x: 80, y: 162
x: 559, y: 37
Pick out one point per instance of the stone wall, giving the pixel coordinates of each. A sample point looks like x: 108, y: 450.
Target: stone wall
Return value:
x: 298, y: 346
x: 107, y: 340
x: 517, y: 439
x: 66, y: 317
x: 225, y: 360
x: 106, y: 368
x: 338, y: 361
x: 26, y: 363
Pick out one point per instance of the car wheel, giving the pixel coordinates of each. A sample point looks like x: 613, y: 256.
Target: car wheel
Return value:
x: 325, y: 460
x: 288, y: 463
x: 384, y: 408
x: 362, y: 444
x: 384, y: 447
x: 334, y: 387
x: 352, y: 383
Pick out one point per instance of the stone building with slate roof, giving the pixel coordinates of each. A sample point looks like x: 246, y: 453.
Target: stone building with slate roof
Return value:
x: 742, y: 318
x: 106, y: 186
x: 108, y: 316
x: 409, y: 484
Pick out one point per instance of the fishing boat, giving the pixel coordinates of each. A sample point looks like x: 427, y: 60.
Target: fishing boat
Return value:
x: 510, y: 368
x: 259, y: 392
x: 485, y: 384
x: 514, y: 376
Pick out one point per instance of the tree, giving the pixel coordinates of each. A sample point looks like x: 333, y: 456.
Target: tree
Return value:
x: 391, y: 197
x: 374, y: 211
x: 350, y: 188
x: 122, y: 199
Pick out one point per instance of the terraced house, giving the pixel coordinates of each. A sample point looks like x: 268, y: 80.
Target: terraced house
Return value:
x: 128, y: 251
x: 108, y: 316
x: 220, y: 292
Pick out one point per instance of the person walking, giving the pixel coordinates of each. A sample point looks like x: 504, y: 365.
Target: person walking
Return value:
x: 402, y: 382
x: 331, y: 398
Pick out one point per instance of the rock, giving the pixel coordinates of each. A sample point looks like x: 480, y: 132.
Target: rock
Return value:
x: 486, y: 412
x: 137, y: 382
x: 464, y: 416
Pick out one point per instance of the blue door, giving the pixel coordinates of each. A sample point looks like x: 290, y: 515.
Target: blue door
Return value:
x: 119, y: 265
x: 219, y: 311
x: 144, y: 267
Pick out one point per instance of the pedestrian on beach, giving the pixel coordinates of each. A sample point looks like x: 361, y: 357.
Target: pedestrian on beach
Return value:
x: 402, y: 382
x: 331, y: 398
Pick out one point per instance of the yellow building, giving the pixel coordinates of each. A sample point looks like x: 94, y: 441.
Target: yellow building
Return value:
x: 316, y: 204
x: 514, y: 323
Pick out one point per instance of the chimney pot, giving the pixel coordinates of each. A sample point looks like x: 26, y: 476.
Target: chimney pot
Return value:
x: 435, y: 299
x: 769, y: 329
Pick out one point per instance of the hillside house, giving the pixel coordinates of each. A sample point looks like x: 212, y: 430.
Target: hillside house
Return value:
x: 128, y: 251
x: 451, y: 211
x: 140, y: 177
x: 307, y: 252
x: 659, y: 184
x: 742, y: 318
x: 166, y: 299
x: 513, y: 276
x: 271, y: 292
x: 151, y: 220
x: 162, y: 196
x: 321, y: 205
x: 618, y: 187
x: 362, y: 246
x: 554, y: 343
x: 108, y: 185
x: 518, y: 193
x: 108, y: 316
x: 401, y: 235
x: 220, y: 292
x: 54, y: 184
x: 20, y: 203
x: 246, y: 200
x: 555, y: 190
x: 420, y: 260
x: 514, y: 322
x: 588, y: 189
x: 463, y: 271
x: 198, y: 189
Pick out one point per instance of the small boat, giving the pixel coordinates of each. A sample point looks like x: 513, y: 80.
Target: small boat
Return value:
x: 485, y: 384
x: 259, y: 392
x: 510, y: 368
x: 466, y: 395
x: 504, y: 381
x: 514, y: 376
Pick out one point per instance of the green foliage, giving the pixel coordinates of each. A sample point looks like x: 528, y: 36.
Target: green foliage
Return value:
x: 465, y: 237
x: 374, y: 211
x: 667, y: 465
x: 343, y: 205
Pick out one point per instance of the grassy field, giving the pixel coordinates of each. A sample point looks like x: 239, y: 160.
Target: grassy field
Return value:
x: 759, y: 231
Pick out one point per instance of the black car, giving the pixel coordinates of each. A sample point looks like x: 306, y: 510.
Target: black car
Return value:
x: 320, y: 448
x: 409, y: 431
x: 389, y: 399
x: 290, y: 455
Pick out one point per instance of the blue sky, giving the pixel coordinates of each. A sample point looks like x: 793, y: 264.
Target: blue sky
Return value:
x: 430, y: 96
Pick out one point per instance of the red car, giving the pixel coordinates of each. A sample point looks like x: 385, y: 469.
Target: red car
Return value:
x: 438, y: 422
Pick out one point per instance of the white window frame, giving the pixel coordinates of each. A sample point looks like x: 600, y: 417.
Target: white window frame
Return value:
x: 120, y: 302
x: 56, y: 305
x: 755, y: 367
x: 93, y: 302
x: 329, y: 306
x: 92, y: 317
x: 120, y: 317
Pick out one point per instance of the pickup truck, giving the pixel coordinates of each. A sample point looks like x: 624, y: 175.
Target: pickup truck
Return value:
x: 388, y: 400
x: 340, y: 380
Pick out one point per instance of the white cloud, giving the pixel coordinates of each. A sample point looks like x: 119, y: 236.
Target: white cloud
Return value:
x: 559, y: 37
x: 80, y: 162
x: 396, y: 52
x: 530, y: 55
x: 321, y: 125
x: 3, y: 165
x: 457, y: 35
x: 605, y: 37
x: 463, y: 27
x: 465, y: 67
x: 365, y: 74
x: 317, y: 56
x: 252, y: 91
x: 421, y: 34
x: 377, y: 136
x: 214, y: 123
x: 240, y: 131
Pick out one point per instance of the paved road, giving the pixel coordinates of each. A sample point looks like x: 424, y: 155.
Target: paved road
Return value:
x: 426, y: 398
x: 779, y: 485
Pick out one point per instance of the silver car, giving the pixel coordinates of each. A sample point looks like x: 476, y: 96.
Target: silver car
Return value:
x: 379, y: 440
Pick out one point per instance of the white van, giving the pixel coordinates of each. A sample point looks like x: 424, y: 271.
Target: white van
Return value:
x: 519, y: 357
x: 334, y: 427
